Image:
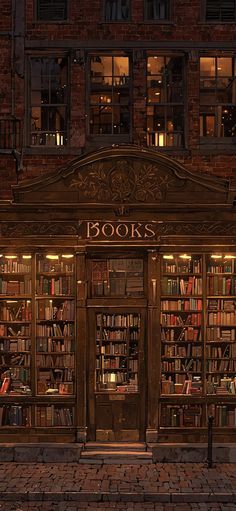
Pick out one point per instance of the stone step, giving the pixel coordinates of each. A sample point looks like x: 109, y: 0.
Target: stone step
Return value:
x: 114, y: 456
x: 116, y: 446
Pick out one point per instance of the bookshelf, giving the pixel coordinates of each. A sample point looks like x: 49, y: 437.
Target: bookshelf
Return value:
x: 117, y: 351
x: 220, y: 331
x: 55, y: 324
x: 15, y: 328
x: 181, y: 325
x: 117, y: 277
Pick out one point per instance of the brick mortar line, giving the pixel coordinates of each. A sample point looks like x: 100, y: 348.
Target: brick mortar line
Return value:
x: 83, y: 496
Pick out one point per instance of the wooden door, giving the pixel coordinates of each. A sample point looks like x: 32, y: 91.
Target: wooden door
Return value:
x: 116, y: 368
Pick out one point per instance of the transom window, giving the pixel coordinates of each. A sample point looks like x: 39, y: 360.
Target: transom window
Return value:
x: 109, y: 95
x: 49, y: 98
x: 220, y: 10
x: 218, y: 98
x: 165, y: 101
x: 117, y: 10
x: 52, y: 10
x: 157, y: 10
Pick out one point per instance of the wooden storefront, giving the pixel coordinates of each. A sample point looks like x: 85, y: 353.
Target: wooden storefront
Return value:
x: 118, y: 302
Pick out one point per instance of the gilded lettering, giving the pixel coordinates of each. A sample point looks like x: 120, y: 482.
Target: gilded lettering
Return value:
x: 93, y: 226
x: 120, y: 228
x: 134, y: 230
x: 105, y: 231
x: 149, y: 229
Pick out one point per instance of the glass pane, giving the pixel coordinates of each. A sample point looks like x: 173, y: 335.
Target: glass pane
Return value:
x: 101, y: 70
x: 101, y: 120
x: 157, y: 9
x: 224, y: 66
x: 207, y: 66
x: 155, y: 65
x: 116, y: 10
x: 120, y: 120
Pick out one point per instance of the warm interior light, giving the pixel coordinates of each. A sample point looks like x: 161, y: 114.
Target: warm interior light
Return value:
x: 11, y: 301
x: 26, y: 257
x: 50, y: 256
x: 185, y: 256
x: 67, y: 256
x: 229, y: 257
x: 11, y: 257
x: 216, y: 256
x: 168, y: 256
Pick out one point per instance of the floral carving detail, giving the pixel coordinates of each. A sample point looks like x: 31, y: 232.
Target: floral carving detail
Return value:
x: 123, y: 182
x: 12, y: 230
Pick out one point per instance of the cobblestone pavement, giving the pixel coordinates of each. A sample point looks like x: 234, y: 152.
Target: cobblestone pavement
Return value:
x: 104, y: 487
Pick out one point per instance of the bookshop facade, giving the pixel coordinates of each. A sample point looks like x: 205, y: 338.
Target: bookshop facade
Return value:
x: 118, y: 303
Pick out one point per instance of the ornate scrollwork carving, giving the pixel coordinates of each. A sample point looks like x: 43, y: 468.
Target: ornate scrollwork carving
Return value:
x: 123, y: 182
x: 16, y: 230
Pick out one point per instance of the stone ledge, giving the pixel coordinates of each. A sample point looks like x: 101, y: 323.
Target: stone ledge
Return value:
x: 192, y: 453
x: 40, y: 453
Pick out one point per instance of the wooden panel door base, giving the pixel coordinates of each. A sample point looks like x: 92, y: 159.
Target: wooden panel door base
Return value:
x: 123, y: 435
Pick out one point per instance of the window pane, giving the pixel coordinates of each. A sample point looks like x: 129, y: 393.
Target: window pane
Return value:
x: 51, y: 10
x: 220, y: 10
x: 157, y: 9
x: 117, y: 10
x: 48, y: 88
x: 109, y: 95
x: 207, y: 66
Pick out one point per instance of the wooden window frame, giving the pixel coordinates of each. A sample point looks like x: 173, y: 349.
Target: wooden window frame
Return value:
x: 118, y: 20
x: 219, y: 20
x: 48, y: 20
x: 158, y: 20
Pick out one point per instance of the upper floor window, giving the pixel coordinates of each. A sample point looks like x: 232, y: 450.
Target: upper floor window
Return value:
x: 165, y: 101
x: 117, y: 10
x: 220, y: 10
x: 48, y: 101
x: 52, y: 10
x: 218, y: 98
x: 157, y: 10
x: 109, y: 95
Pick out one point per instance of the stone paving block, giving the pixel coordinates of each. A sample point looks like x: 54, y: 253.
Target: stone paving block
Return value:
x: 84, y: 496
x: 57, y: 496
x: 34, y: 496
x: 61, y: 454
x: 131, y: 497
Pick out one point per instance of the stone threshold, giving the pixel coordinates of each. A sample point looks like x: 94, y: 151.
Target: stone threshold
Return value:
x: 82, y: 496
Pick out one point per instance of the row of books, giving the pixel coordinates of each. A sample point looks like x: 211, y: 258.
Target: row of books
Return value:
x: 221, y: 386
x: 15, y: 287
x: 118, y: 320
x: 221, y: 366
x: 194, y: 319
x: 111, y: 335
x: 102, y: 268
x: 110, y: 377
x: 228, y: 351
x: 217, y: 334
x: 111, y: 363
x: 112, y: 349
x: 181, y: 385
x: 181, y: 286
x: 17, y: 330
x: 14, y: 266
x: 224, y: 415
x: 188, y: 350
x: 49, y: 416
x: 181, y: 416
x: 15, y: 310
x: 15, y: 359
x: 179, y: 365
x: 64, y: 360
x: 55, y: 286
x: 182, y: 305
x: 55, y: 310
x: 15, y: 415
x: 177, y: 265
x: 222, y: 318
x: 219, y: 285
x: 55, y: 345
x: 187, y: 334
x: 55, y: 266
x: 132, y: 286
x: 55, y: 375
x: 219, y: 304
x: 228, y: 266
x: 13, y: 345
x: 55, y: 330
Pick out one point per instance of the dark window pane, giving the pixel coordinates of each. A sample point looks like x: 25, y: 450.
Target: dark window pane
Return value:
x: 48, y: 92
x: 220, y: 10
x: 52, y: 10
x: 157, y: 9
x: 117, y: 10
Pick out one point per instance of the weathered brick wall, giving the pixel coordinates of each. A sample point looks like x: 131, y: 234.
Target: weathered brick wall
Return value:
x: 86, y: 25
